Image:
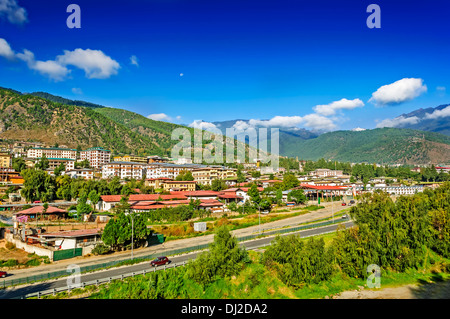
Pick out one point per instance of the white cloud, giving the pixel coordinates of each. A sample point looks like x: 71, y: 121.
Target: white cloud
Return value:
x: 241, y: 126
x: 343, y: 104
x: 77, y: 91
x: 278, y: 121
x: 134, y: 60
x: 398, y: 92
x: 318, y: 122
x: 95, y: 63
x: 438, y: 114
x: 160, y: 117
x: 5, y: 50
x: 199, y: 124
x: 13, y: 12
x: 49, y: 68
x: 399, y: 121
x: 358, y: 129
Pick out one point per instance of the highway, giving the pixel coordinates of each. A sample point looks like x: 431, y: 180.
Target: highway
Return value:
x: 19, y: 291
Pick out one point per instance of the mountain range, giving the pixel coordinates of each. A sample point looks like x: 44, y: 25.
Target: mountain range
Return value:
x: 47, y: 118
x: 431, y: 119
x: 43, y: 117
x: 426, y: 142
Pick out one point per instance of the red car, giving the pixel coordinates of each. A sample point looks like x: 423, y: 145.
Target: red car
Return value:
x: 3, y: 274
x: 344, y: 204
x: 160, y: 261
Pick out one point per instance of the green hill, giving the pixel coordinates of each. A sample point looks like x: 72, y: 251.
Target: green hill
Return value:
x: 31, y: 118
x: 386, y: 145
x: 62, y: 100
x: 158, y: 131
x: 28, y: 117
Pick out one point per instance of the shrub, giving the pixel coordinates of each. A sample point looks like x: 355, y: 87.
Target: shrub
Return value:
x: 33, y: 262
x: 101, y: 249
x: 10, y: 263
x: 10, y: 246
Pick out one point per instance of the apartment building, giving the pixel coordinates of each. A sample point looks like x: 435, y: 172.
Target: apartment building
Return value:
x: 132, y: 159
x: 124, y: 170
x: 97, y: 156
x: 56, y: 162
x: 206, y: 175
x: 325, y: 172
x: 52, y: 152
x: 156, y: 159
x: 85, y: 173
x: 167, y: 170
x: 179, y: 185
x: 5, y: 160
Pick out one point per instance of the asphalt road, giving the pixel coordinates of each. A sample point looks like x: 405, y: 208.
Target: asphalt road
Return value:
x: 17, y: 292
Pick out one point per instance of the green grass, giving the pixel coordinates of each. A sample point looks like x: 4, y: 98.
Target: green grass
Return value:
x: 255, y: 281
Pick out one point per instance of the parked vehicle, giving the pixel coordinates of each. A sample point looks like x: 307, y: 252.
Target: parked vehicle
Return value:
x: 344, y: 204
x: 37, y: 202
x: 3, y: 274
x: 345, y: 216
x: 352, y: 202
x: 163, y: 260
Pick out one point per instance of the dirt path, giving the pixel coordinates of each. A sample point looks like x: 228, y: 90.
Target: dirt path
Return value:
x: 437, y: 290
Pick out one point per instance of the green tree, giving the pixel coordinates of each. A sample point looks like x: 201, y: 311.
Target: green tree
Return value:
x: 82, y: 207
x: 240, y: 176
x: 290, y: 181
x: 254, y: 194
x: 18, y: 163
x: 223, y: 259
x: 297, y: 196
x: 94, y: 197
x: 43, y: 163
x: 218, y: 185
x: 61, y: 168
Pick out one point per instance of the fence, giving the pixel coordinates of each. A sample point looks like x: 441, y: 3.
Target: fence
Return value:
x: 180, y: 251
x: 97, y: 282
x: 67, y: 253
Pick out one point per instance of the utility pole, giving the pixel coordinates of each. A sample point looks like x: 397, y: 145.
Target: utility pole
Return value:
x: 132, y: 235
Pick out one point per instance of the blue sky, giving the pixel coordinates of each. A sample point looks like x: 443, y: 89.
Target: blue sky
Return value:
x: 221, y: 60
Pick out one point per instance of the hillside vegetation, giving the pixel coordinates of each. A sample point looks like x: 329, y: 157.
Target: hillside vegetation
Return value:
x: 31, y: 118
x: 386, y: 145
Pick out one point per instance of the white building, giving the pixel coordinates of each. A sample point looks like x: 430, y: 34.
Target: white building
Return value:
x: 85, y: 173
x: 124, y: 170
x: 52, y: 152
x: 396, y: 190
x: 97, y: 156
x: 325, y: 172
x: 167, y: 170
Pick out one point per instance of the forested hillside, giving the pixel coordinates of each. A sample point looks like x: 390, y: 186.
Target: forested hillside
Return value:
x: 31, y: 118
x: 387, y: 145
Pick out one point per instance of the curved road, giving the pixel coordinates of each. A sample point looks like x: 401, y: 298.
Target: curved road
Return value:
x: 20, y: 291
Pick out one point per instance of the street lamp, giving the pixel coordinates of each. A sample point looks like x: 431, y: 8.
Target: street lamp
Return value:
x: 132, y: 234
x: 259, y: 216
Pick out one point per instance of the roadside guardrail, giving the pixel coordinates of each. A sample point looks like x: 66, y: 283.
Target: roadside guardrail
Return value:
x: 85, y: 269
